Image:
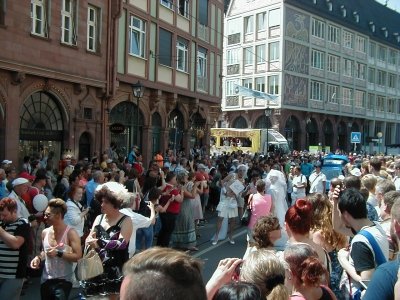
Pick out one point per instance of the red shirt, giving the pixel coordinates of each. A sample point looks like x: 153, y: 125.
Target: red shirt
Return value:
x: 200, y: 176
x: 174, y: 207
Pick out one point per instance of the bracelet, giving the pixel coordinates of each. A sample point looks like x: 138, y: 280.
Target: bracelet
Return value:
x: 39, y: 258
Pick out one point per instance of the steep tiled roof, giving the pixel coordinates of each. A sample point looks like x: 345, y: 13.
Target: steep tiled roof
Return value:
x: 369, y: 12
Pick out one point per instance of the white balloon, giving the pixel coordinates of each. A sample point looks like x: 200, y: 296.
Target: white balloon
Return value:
x: 40, y: 202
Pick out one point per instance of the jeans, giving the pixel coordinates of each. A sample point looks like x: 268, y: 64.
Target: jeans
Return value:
x: 11, y: 288
x: 167, y: 227
x: 147, y: 234
x: 55, y: 289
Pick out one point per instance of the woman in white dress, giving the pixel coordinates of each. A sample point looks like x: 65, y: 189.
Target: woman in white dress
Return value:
x: 278, y: 192
x: 227, y: 208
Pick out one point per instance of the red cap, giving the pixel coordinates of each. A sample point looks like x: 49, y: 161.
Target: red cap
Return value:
x: 26, y: 175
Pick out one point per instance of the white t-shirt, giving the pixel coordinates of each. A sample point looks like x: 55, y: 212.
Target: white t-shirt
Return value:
x: 299, y: 192
x: 396, y: 182
x: 138, y: 221
x: 317, y: 182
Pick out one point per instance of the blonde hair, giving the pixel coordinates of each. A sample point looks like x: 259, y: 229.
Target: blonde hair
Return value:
x: 369, y: 181
x: 321, y: 221
x: 264, y: 269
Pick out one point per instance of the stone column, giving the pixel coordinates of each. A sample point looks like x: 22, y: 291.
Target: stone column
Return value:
x: 147, y: 136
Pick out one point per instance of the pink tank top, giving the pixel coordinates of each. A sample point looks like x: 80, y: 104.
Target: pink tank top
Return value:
x: 261, y: 206
x: 57, y: 267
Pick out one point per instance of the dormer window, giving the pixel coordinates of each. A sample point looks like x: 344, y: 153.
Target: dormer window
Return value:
x: 356, y: 17
x: 344, y: 12
x: 330, y: 6
x: 372, y: 26
x: 397, y: 37
x: 385, y: 31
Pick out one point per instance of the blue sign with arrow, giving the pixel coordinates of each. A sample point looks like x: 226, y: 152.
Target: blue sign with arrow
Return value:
x: 356, y: 137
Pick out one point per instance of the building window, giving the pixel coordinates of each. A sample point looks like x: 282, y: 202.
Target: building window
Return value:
x: 360, y: 99
x: 392, y: 57
x: 2, y: 12
x: 360, y: 44
x: 317, y: 90
x: 182, y: 55
x: 274, y: 53
x: 382, y: 53
x: 261, y: 21
x: 273, y: 84
x: 360, y: 71
x: 333, y: 34
x: 248, y: 25
x: 165, y: 48
x: 39, y: 17
x: 372, y: 50
x: 248, y: 56
x: 274, y: 22
x: 203, y: 12
x: 183, y: 8
x: 202, y: 62
x: 248, y: 83
x: 380, y: 103
x: 391, y: 105
x: 260, y: 84
x: 92, y: 29
x: 348, y: 68
x: 317, y: 59
x: 347, y: 96
x: 68, y: 22
x: 260, y: 54
x: 231, y: 87
x: 392, y: 80
x: 318, y: 29
x: 381, y: 79
x: 371, y: 75
x: 371, y: 101
x: 332, y: 93
x: 333, y: 63
x: 232, y: 56
x: 167, y: 3
x: 347, y: 39
x: 87, y: 113
x: 137, y: 36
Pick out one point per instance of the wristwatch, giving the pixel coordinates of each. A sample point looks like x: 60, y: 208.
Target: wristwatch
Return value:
x: 60, y: 253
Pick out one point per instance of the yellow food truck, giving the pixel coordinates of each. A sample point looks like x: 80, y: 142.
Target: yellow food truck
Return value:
x: 248, y: 140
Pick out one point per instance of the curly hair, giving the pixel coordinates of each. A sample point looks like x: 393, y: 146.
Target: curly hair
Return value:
x: 105, y: 193
x: 321, y: 221
x: 262, y: 228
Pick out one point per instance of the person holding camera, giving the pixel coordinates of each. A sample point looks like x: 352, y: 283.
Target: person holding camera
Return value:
x: 173, y: 194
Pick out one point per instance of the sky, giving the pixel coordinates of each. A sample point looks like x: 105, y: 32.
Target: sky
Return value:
x: 393, y: 4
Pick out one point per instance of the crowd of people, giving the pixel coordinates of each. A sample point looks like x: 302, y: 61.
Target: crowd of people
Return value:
x: 304, y: 242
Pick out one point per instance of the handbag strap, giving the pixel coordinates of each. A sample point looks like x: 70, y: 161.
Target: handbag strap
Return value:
x: 379, y: 257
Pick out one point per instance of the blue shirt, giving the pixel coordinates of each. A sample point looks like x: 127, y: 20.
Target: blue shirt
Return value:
x: 3, y: 190
x: 383, y: 281
x: 90, y: 189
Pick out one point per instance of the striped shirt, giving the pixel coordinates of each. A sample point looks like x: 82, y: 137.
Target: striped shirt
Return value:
x: 13, y: 262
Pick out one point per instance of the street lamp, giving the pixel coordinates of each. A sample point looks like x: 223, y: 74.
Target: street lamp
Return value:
x: 268, y: 113
x: 379, y: 135
x: 138, y: 91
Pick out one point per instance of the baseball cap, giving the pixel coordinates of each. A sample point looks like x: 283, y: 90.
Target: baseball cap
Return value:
x: 19, y: 181
x: 6, y: 162
x: 356, y: 172
x: 201, y: 166
x: 27, y: 176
